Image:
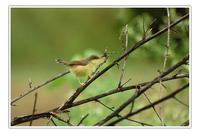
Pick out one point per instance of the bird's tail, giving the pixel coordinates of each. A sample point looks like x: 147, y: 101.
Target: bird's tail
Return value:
x: 60, y: 61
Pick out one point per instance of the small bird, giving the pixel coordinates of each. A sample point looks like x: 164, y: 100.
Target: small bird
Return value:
x: 83, y: 67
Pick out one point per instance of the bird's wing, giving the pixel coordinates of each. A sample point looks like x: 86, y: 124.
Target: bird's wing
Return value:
x: 78, y: 62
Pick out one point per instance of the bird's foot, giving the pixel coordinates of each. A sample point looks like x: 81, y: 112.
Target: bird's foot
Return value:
x: 82, y: 84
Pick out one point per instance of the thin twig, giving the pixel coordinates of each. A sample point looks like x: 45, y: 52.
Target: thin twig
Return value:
x: 114, y: 91
x: 111, y: 109
x: 175, y: 98
x: 132, y: 106
x: 37, y: 87
x: 135, y: 94
x: 26, y: 118
x: 69, y: 101
x: 161, y: 110
x: 122, y: 85
x: 34, y: 107
x: 125, y: 47
x: 82, y: 119
x: 154, y: 109
x: 133, y: 97
x: 30, y: 83
x: 57, y: 117
x: 53, y: 122
x: 150, y: 105
x: 166, y: 55
x: 49, y: 120
x: 167, y: 46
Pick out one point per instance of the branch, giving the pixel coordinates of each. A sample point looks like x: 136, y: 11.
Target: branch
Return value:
x: 37, y: 87
x: 111, y: 108
x: 57, y: 117
x: 53, y: 122
x: 133, y: 97
x: 34, y: 107
x: 125, y: 47
x: 175, y: 98
x: 150, y: 105
x: 68, y: 102
x: 82, y: 119
x: 154, y: 109
x: 167, y: 46
x: 94, y: 98
x: 114, y: 91
x: 19, y: 120
x: 166, y: 55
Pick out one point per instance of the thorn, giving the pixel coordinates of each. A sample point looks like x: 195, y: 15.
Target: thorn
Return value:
x: 117, y: 65
x: 30, y: 83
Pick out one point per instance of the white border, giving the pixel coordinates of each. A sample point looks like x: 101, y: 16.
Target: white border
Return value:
x: 96, y: 6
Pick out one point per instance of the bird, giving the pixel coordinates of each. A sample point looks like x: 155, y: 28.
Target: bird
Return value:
x: 83, y: 67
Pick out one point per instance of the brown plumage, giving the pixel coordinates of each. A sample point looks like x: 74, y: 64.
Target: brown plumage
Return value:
x: 83, y: 67
x: 82, y: 62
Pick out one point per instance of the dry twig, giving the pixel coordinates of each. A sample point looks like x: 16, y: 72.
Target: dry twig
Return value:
x: 37, y: 87
x: 133, y: 97
x: 70, y: 102
x: 150, y: 105
x: 34, y: 107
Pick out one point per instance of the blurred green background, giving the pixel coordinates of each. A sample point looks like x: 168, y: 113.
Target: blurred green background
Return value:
x: 40, y: 35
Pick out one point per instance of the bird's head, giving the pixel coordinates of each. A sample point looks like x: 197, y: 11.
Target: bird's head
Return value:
x: 93, y: 57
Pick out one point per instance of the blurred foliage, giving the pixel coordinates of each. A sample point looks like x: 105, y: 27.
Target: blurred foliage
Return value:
x: 40, y: 35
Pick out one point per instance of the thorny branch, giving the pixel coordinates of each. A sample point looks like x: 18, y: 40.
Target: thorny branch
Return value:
x: 133, y: 97
x: 150, y: 105
x: 154, y: 109
x: 123, y: 89
x: 37, y: 87
x: 167, y: 46
x: 94, y: 98
x: 124, y: 34
x: 166, y: 55
x: 111, y: 108
x: 70, y: 102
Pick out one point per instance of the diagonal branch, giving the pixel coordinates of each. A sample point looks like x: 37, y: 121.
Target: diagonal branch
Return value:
x: 82, y: 119
x: 110, y: 108
x: 69, y: 103
x: 154, y: 109
x: 111, y: 92
x: 37, y: 87
x: 140, y: 43
x: 123, y: 89
x: 133, y: 97
x: 150, y: 105
x: 19, y: 120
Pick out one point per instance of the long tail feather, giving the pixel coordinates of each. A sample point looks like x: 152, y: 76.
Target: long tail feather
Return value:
x: 60, y: 61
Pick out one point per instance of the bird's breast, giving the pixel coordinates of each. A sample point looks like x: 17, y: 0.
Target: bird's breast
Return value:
x: 80, y: 70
